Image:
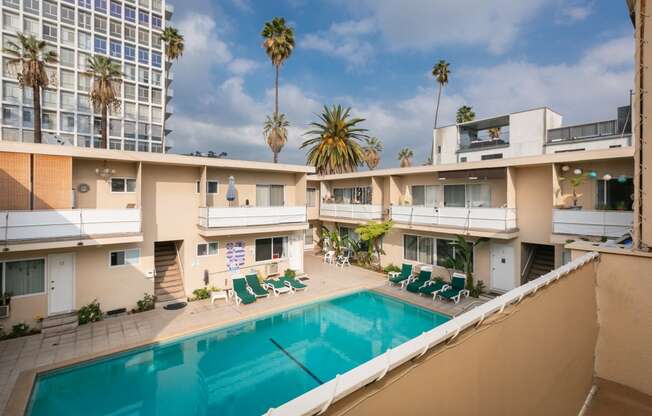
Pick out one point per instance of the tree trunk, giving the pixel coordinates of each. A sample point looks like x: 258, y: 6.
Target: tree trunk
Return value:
x: 36, y: 95
x: 104, y: 130
x: 275, y: 157
x: 432, y: 149
x: 276, y: 97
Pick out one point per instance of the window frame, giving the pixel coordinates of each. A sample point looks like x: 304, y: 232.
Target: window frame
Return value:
x: 3, y: 276
x: 125, y: 180
x: 435, y: 254
x: 208, y: 181
x: 272, y: 259
x: 208, y: 251
x: 126, y: 263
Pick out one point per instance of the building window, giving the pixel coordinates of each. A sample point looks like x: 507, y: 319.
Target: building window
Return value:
x: 50, y: 10
x: 270, y: 195
x: 10, y: 92
x: 428, y: 250
x: 49, y: 32
x: 212, y: 187
x: 207, y: 249
x: 100, y: 44
x: 492, y: 156
x: 116, y: 49
x: 85, y: 3
x: 12, y: 3
x: 130, y: 14
x: 23, y: 277
x: 100, y: 5
x: 355, y: 195
x: 68, y: 101
x: 28, y: 118
x: 454, y: 196
x: 124, y: 257
x: 83, y: 124
x: 123, y: 185
x: 100, y: 24
x: 49, y: 120
x: 115, y: 127
x: 156, y: 78
x: 156, y: 59
x: 311, y: 197
x: 143, y: 37
x: 143, y: 75
x: 84, y: 21
x: 116, y: 9
x: 68, y: 15
x: 425, y: 195
x: 130, y: 52
x: 143, y: 56
x: 31, y: 6
x: 271, y: 248
x: 156, y: 96
x: 615, y: 194
x: 115, y: 28
x: 10, y: 115
x: 130, y: 33
x: 68, y: 37
x: 84, y: 41
x: 143, y: 17
x: 11, y: 21
x: 156, y: 22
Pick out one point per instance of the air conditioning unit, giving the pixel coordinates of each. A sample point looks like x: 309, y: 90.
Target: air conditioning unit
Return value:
x: 4, y: 311
x: 271, y: 269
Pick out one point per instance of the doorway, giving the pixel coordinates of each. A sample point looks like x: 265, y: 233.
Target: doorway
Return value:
x: 503, y: 269
x: 61, y: 280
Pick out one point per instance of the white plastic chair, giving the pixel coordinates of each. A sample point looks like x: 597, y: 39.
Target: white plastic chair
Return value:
x: 329, y: 257
x: 343, y: 261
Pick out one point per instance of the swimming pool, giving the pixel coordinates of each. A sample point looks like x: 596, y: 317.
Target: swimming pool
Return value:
x: 240, y: 370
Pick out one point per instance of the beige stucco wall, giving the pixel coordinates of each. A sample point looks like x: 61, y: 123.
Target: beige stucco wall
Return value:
x: 246, y: 186
x: 99, y: 194
x: 545, y: 369
x: 534, y: 204
x: 498, y: 186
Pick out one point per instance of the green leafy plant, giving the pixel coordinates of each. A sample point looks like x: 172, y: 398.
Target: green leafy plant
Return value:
x: 19, y: 330
x: 463, y: 259
x: 391, y: 268
x: 372, y: 233
x: 90, y: 313
x: 201, y: 293
x: 334, y: 240
x: 478, y: 289
x: 147, y: 303
x: 290, y: 273
x: 575, y: 182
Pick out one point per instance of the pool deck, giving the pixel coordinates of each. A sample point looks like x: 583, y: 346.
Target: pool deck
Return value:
x: 22, y: 358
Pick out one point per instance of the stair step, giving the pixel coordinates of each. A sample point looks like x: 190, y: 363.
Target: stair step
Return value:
x: 164, y: 257
x: 177, y: 291
x: 173, y: 275
x: 164, y: 268
x: 59, y: 329
x: 57, y: 320
x: 168, y: 298
x: 158, y: 253
x: 167, y: 284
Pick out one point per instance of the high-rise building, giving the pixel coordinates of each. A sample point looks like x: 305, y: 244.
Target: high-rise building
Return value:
x: 127, y: 31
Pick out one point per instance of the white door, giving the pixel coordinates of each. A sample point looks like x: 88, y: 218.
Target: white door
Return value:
x: 296, y: 251
x: 309, y: 242
x: 502, y: 266
x: 61, y: 280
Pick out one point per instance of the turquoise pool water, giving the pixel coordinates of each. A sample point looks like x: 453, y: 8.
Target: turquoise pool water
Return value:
x: 240, y: 370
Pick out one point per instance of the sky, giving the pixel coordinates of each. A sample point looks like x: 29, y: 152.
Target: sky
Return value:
x: 376, y: 56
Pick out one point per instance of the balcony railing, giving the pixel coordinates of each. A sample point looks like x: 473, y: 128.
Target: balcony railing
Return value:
x: 494, y: 219
x: 592, y: 223
x: 352, y: 211
x: 68, y: 224
x: 221, y: 217
x: 589, y: 131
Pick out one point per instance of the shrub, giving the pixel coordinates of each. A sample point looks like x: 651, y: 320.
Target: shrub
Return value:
x: 391, y: 268
x: 478, y: 289
x: 19, y: 330
x: 201, y: 293
x: 146, y: 303
x: 290, y: 273
x: 90, y: 313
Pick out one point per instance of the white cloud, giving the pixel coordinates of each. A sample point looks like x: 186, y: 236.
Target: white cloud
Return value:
x: 575, y: 12
x: 242, y: 66
x: 343, y: 40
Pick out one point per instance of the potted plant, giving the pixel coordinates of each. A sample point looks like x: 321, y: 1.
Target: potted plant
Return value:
x: 575, y: 182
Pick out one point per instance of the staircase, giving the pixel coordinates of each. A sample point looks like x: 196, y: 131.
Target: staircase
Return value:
x: 53, y: 326
x: 168, y: 283
x: 543, y: 261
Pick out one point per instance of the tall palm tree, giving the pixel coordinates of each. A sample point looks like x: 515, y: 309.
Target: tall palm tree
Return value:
x: 278, y: 44
x: 405, y: 157
x: 30, y: 56
x: 441, y: 72
x: 276, y: 132
x: 106, y: 75
x: 465, y: 114
x: 334, y: 147
x: 174, y: 42
x: 371, y: 151
x: 494, y: 133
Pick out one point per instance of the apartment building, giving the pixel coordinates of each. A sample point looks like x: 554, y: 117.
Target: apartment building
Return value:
x: 79, y: 224
x: 127, y: 31
x: 525, y: 208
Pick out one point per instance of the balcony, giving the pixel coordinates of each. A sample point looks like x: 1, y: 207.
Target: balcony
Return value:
x: 169, y: 11
x: 585, y: 132
x: 592, y: 223
x: 247, y: 220
x: 22, y: 230
x: 361, y: 212
x: 472, y: 219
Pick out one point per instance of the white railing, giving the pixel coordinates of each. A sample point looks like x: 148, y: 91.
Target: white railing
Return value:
x: 351, y: 211
x: 497, y: 219
x: 67, y: 223
x: 320, y: 398
x: 218, y: 217
x: 592, y: 223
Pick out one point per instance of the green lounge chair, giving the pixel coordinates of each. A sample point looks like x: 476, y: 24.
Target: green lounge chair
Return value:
x: 292, y: 283
x: 432, y: 287
x: 396, y: 278
x: 241, y: 292
x: 457, y: 290
x: 253, y: 283
x: 415, y: 284
x: 276, y: 286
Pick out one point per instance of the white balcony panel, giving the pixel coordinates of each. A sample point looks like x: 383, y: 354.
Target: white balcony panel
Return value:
x: 498, y: 219
x: 82, y: 223
x: 352, y: 211
x: 219, y: 217
x: 592, y: 223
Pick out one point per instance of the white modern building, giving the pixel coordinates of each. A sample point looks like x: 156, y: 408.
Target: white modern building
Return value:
x: 129, y: 32
x: 527, y: 133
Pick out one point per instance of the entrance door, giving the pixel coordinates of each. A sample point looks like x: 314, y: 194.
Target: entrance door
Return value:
x: 502, y: 267
x: 61, y: 279
x: 309, y: 241
x: 296, y: 251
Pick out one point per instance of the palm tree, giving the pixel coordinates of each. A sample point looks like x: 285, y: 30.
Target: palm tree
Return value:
x: 494, y: 133
x: 463, y: 261
x: 31, y: 55
x: 441, y: 72
x: 405, y: 156
x: 276, y: 132
x: 371, y: 150
x: 174, y: 43
x: 334, y: 147
x: 464, y: 114
x: 106, y: 75
x: 278, y: 44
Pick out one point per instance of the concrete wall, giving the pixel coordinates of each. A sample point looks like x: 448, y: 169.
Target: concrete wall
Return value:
x: 446, y: 140
x: 534, y: 204
x: 246, y: 186
x: 99, y: 193
x: 546, y: 368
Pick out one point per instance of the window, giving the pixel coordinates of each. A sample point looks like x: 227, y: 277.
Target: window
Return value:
x: 615, y: 194
x: 121, y: 185
x: 156, y: 96
x: 206, y: 249
x: 130, y: 33
x: 156, y: 59
x: 68, y: 36
x: 156, y: 21
x: 130, y: 72
x: 49, y: 119
x: 67, y: 79
x: 143, y: 56
x: 115, y: 127
x: 143, y: 94
x: 156, y: 41
x: 130, y: 52
x: 68, y: 122
x: 270, y: 195
x: 143, y: 75
x: 31, y: 27
x: 124, y: 257
x: 68, y: 100
x: 143, y: 17
x: 68, y: 15
x: 23, y: 277
x: 271, y: 248
x: 454, y: 196
x: 82, y: 61
x: 84, y: 20
x: 49, y: 98
x: 427, y: 250
x: 157, y: 116
x: 116, y: 49
x: 130, y: 91
x: 50, y: 10
x: 14, y: 3
x: 143, y: 131
x: 130, y: 14
x: 31, y: 6
x: 143, y: 37
x: 157, y: 133
x: 83, y: 124
x: 100, y: 24
x: 156, y: 78
x: 355, y: 195
x: 425, y: 195
x: 116, y: 9
x: 479, y: 195
x: 11, y: 22
x: 67, y: 58
x: 100, y: 44
x: 28, y: 118
x: 115, y: 28
x: 49, y: 32
x: 85, y: 3
x: 84, y: 81
x: 10, y: 92
x: 212, y: 187
x: 84, y: 41
x: 100, y: 5
x: 311, y: 197
x: 10, y: 115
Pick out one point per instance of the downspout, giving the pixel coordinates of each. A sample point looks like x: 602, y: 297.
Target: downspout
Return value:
x: 638, y: 223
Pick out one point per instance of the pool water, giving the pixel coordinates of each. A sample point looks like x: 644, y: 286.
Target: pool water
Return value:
x: 240, y: 370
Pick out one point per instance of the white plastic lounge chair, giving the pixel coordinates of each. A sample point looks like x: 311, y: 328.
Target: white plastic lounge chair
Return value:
x: 456, y: 289
x: 277, y: 287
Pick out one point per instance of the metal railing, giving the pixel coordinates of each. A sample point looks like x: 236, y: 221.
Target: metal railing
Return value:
x: 496, y: 219
x: 585, y: 131
x: 68, y: 223
x: 319, y: 399
x: 592, y: 223
x: 219, y: 217
x: 351, y: 211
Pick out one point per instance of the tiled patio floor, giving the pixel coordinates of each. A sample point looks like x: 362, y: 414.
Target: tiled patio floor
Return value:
x: 114, y: 334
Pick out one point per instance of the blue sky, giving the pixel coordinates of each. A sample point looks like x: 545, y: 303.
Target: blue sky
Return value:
x: 575, y: 56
